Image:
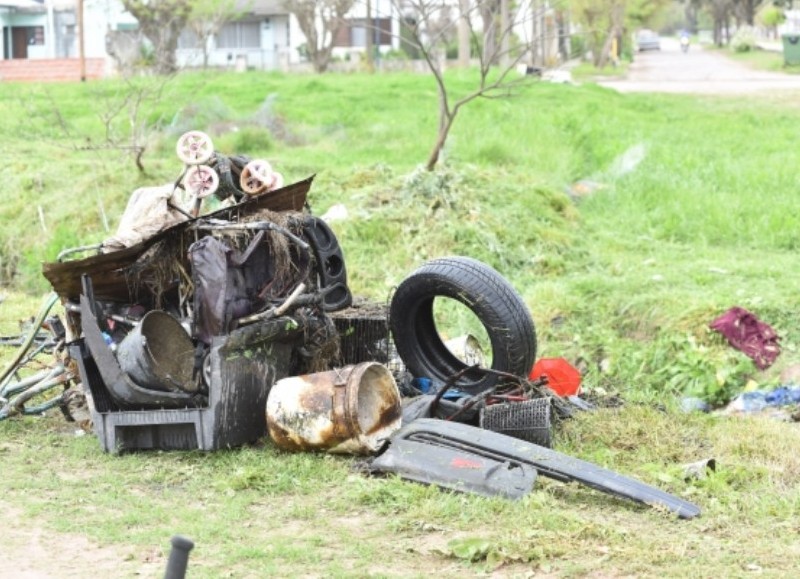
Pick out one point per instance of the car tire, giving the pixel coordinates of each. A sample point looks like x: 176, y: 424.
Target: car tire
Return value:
x: 488, y: 295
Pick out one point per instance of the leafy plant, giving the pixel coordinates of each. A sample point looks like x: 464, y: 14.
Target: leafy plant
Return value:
x: 695, y: 370
x: 744, y: 40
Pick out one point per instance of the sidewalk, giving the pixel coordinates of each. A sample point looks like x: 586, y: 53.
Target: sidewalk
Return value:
x: 770, y: 45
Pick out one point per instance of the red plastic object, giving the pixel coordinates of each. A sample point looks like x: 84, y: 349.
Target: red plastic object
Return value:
x: 562, y: 377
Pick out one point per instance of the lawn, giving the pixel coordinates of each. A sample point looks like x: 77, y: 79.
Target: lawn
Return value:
x: 626, y: 222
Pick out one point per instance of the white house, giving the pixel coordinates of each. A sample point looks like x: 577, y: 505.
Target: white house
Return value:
x: 267, y: 37
x: 28, y: 29
x: 263, y: 36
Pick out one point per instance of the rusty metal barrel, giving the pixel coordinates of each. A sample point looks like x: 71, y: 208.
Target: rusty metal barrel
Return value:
x: 351, y: 410
x: 158, y: 354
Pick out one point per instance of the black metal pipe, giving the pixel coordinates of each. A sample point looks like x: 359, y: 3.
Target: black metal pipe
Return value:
x: 178, y: 557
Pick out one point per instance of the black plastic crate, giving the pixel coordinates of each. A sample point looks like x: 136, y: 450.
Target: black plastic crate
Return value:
x: 363, y: 330
x: 241, y: 377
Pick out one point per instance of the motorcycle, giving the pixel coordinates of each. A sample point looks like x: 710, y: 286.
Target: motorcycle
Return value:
x: 685, y: 43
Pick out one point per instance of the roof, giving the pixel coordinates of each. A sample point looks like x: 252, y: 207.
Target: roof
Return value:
x: 23, y: 5
x: 261, y: 7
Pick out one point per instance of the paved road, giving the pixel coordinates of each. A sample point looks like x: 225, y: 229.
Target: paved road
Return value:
x: 697, y: 72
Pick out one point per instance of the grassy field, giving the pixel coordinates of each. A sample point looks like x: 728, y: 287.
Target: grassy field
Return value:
x: 626, y: 222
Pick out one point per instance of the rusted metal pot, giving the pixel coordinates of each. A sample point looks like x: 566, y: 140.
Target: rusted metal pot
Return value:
x: 351, y: 410
x: 158, y: 354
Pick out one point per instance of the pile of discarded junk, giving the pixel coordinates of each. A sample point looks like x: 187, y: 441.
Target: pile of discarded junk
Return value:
x: 206, y: 330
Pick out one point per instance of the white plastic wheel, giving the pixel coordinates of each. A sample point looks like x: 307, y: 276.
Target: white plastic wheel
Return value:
x: 201, y: 181
x: 277, y: 181
x: 256, y: 177
x: 195, y: 148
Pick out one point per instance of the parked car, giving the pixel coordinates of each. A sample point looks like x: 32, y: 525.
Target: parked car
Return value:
x: 647, y: 40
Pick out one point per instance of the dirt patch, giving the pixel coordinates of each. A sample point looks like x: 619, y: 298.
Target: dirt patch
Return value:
x: 32, y: 552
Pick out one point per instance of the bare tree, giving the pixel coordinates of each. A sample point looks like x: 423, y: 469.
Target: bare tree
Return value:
x: 320, y: 22
x: 161, y: 22
x: 123, y: 115
x: 427, y: 33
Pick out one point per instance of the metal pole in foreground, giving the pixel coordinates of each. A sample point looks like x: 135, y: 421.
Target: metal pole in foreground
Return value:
x: 178, y: 557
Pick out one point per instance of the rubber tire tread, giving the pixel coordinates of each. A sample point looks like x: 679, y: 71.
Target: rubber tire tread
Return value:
x: 487, y: 294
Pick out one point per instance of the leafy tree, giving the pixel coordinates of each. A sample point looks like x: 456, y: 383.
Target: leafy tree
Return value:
x: 320, y: 21
x: 208, y: 17
x: 603, y: 21
x: 607, y: 20
x: 771, y: 17
x: 161, y: 22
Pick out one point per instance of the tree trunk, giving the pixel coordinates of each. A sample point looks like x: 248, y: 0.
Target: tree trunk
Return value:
x: 617, y: 16
x: 321, y: 60
x: 463, y: 35
x: 370, y: 35
x: 504, y: 44
x: 489, y: 33
x: 161, y: 23
x: 441, y: 139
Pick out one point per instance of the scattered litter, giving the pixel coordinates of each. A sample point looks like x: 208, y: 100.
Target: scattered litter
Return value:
x: 352, y: 410
x: 337, y: 212
x: 759, y: 400
x: 562, y: 377
x: 747, y: 333
x: 626, y: 162
x: 528, y: 70
x: 700, y: 469
x: 557, y: 76
x: 527, y: 420
x: 623, y: 164
x: 693, y: 404
x: 468, y: 349
x: 440, y: 452
x: 584, y: 188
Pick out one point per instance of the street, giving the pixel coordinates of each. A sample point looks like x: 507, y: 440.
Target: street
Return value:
x: 699, y: 71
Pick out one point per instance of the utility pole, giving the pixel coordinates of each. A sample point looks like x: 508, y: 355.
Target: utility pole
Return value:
x: 81, y: 53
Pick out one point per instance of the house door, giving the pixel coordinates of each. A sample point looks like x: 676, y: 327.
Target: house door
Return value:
x: 19, y: 42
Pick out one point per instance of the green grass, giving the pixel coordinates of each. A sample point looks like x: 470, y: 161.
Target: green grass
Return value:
x: 257, y: 511
x: 586, y: 71
x: 693, y: 212
x: 765, y: 60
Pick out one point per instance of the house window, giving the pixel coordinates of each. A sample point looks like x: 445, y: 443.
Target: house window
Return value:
x: 354, y: 33
x: 358, y: 36
x: 240, y: 35
x: 36, y: 35
x: 188, y: 39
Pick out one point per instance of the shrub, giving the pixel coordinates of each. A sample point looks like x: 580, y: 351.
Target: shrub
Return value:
x: 577, y: 46
x: 744, y: 40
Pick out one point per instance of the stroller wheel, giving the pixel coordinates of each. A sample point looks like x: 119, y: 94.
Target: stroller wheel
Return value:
x: 201, y: 181
x: 257, y: 177
x: 194, y: 148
